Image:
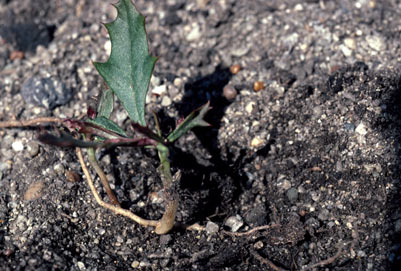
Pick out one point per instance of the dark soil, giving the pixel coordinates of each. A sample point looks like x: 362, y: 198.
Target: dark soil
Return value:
x: 315, y: 154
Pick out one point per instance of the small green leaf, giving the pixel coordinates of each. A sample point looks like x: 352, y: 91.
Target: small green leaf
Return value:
x: 192, y: 120
x: 106, y: 103
x: 108, y: 125
x: 129, y: 67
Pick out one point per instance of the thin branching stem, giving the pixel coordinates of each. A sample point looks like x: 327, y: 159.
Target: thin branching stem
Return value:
x: 94, y: 163
x: 113, y: 208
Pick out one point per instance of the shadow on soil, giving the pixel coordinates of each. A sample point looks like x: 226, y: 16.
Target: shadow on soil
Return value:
x: 391, y: 120
x: 209, y: 185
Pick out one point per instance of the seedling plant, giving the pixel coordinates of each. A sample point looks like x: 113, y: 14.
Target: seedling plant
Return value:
x: 127, y: 74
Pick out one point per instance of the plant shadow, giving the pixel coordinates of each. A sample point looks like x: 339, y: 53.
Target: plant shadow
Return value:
x: 209, y: 185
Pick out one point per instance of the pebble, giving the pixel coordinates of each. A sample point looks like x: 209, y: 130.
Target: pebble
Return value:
x: 211, y: 227
x: 107, y: 47
x: 81, y: 266
x: 258, y: 86
x: 283, y: 183
x: 234, y: 69
x: 34, y: 191
x: 17, y: 146
x: 166, y: 101
x: 194, y: 34
x: 135, y: 264
x: 234, y: 223
x: 345, y: 50
x: 46, y: 92
x: 240, y: 51
x: 32, y: 148
x: 361, y: 129
x: 292, y: 194
x: 324, y: 214
x: 249, y: 107
x: 256, y: 142
x: 350, y: 43
x: 229, y: 92
x: 160, y: 90
x: 258, y: 245
x: 375, y: 42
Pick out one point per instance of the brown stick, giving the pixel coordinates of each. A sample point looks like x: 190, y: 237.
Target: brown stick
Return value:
x: 326, y: 261
x: 113, y: 208
x: 266, y: 261
x: 102, y: 176
x: 28, y: 123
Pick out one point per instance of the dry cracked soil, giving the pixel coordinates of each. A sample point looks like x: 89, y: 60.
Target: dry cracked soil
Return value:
x: 314, y: 155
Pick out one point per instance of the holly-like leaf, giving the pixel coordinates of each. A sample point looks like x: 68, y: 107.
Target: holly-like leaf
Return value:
x: 128, y: 70
x: 192, y: 120
x: 108, y: 125
x: 106, y: 103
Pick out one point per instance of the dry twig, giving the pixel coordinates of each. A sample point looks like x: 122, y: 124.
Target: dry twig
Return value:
x: 266, y: 261
x: 28, y: 123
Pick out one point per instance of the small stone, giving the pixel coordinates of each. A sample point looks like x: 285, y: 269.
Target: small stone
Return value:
x: 229, y: 92
x: 159, y: 90
x: 178, y: 82
x: 107, y: 47
x: 349, y: 127
x: 211, y: 227
x: 324, y: 214
x: 234, y: 69
x: 376, y: 43
x: 258, y: 86
x: 166, y: 101
x: 234, y: 223
x: 350, y: 43
x: 298, y: 7
x: 249, y: 107
x: 47, y: 92
x: 16, y: 55
x: 256, y: 142
x: 361, y: 129
x: 81, y: 266
x: 345, y: 50
x: 58, y: 168
x: 292, y: 194
x: 240, y: 51
x: 258, y: 245
x: 17, y: 146
x: 194, y: 34
x: 135, y: 264
x: 72, y: 176
x: 34, y: 191
x: 32, y: 148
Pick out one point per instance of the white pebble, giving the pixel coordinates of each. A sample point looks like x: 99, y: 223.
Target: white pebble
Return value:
x: 166, y: 101
x: 361, y: 129
x: 234, y: 223
x: 17, y: 145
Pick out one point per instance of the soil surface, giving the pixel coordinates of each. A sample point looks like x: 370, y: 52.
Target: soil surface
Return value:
x: 314, y: 155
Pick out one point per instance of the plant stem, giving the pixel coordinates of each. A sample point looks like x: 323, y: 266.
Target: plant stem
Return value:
x: 166, y: 223
x: 94, y: 163
x: 113, y: 208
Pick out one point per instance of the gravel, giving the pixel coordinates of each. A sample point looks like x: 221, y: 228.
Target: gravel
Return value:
x: 315, y: 152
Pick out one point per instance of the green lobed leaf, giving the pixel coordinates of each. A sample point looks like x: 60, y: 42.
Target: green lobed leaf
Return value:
x: 192, y: 120
x: 106, y: 103
x: 128, y: 70
x: 108, y: 125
